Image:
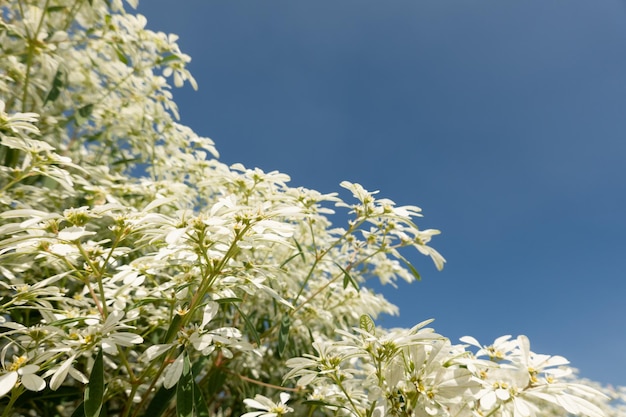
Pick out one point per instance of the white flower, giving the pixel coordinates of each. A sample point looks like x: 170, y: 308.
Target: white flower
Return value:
x: 60, y: 373
x: 268, y: 407
x: 18, y: 121
x: 112, y: 337
x: 74, y: 233
x: 26, y: 374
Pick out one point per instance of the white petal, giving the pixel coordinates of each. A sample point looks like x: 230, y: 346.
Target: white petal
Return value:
x: 28, y: 369
x: 79, y: 376
x: 175, y: 235
x: 155, y: 351
x: 173, y: 372
x: 113, y: 318
x: 260, y: 401
x: 7, y: 382
x: 210, y: 310
x: 306, y: 379
x: 74, y: 233
x: 556, y: 361
x: 61, y: 373
x: 521, y: 409
x: 33, y: 382
x: 502, y: 394
x: 126, y: 339
x: 470, y: 341
x: 488, y: 401
x: 62, y: 249
x: 158, y: 202
x: 109, y: 347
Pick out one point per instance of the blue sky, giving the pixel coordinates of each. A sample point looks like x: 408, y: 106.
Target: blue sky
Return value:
x: 504, y: 120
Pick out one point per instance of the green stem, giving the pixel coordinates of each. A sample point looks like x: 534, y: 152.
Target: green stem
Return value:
x: 98, y: 274
x: 129, y: 401
x: 348, y: 397
x: 32, y: 38
x: 155, y: 378
x: 15, y: 394
x: 319, y: 256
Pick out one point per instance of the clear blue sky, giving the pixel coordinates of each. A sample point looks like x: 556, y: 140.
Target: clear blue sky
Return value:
x: 504, y: 120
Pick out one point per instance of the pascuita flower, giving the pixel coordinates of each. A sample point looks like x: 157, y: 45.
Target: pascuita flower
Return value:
x: 19, y: 371
x: 268, y: 407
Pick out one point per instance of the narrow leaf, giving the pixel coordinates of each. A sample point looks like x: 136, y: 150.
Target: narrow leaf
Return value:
x: 300, y: 251
x: 169, y: 58
x: 292, y: 257
x: 173, y: 329
x: 51, y: 9
x: 347, y: 279
x: 215, y: 381
x: 184, y: 391
x: 55, y: 90
x: 411, y: 268
x: 228, y: 300
x: 283, y: 334
x: 249, y: 326
x: 199, y: 403
x: 80, y: 411
x: 94, y: 392
x: 121, y: 56
x: 160, y: 402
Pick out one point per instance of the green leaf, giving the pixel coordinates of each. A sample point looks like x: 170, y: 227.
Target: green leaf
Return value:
x: 250, y: 326
x: 160, y: 402
x: 411, y: 268
x: 184, y: 391
x: 347, y: 279
x: 94, y: 392
x: 51, y: 9
x: 283, y: 334
x: 300, y: 251
x: 80, y: 411
x: 82, y: 114
x: 215, y: 381
x: 200, y: 404
x: 169, y: 58
x: 125, y: 161
x: 55, y: 90
x: 147, y: 300
x: 86, y: 110
x: 366, y: 323
x: 121, y: 56
x: 228, y: 300
x: 292, y: 257
x: 173, y: 329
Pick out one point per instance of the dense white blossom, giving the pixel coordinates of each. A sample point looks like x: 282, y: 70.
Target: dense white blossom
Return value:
x: 136, y: 267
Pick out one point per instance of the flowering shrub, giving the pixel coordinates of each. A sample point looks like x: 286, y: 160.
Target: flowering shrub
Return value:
x: 142, y: 277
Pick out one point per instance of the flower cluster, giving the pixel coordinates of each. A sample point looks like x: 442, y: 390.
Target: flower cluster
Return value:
x: 416, y: 372
x: 139, y: 275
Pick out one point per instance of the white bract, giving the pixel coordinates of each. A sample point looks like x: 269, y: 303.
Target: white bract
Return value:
x: 139, y: 270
